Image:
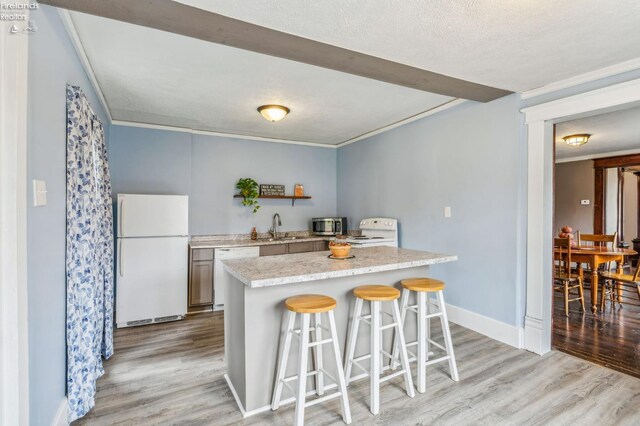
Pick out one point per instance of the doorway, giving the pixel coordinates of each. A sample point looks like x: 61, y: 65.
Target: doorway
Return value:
x: 596, y: 193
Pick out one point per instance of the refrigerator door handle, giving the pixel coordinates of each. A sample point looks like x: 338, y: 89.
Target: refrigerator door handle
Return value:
x: 121, y: 216
x: 120, y: 256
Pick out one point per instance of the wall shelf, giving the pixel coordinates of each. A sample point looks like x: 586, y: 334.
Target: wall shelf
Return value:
x: 293, y: 198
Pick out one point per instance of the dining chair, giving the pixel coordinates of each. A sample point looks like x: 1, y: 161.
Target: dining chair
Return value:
x: 612, y: 281
x: 564, y: 279
x: 598, y: 240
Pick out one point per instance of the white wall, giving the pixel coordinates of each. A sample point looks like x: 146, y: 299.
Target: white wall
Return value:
x: 471, y: 158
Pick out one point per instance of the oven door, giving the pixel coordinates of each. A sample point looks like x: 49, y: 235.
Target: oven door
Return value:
x: 323, y: 226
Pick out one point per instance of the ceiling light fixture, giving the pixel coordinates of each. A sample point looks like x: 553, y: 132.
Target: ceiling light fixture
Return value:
x: 273, y: 113
x: 576, y: 140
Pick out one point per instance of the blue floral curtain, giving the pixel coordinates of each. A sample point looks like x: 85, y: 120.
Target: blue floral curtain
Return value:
x: 89, y: 262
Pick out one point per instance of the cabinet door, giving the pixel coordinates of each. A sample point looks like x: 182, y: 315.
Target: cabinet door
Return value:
x: 201, y: 283
x: 273, y: 250
x: 301, y: 247
x: 321, y: 246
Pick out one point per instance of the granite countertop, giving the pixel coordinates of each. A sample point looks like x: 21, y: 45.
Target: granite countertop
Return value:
x: 294, y: 268
x: 245, y: 242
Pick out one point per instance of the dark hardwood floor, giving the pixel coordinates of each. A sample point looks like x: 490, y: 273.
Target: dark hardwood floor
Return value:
x: 610, y: 339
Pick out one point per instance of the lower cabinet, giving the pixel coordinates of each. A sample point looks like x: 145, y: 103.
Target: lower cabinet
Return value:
x: 321, y: 246
x: 273, y: 249
x: 303, y: 247
x: 201, y: 278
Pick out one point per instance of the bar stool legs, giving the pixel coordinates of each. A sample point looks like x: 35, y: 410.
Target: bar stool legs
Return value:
x: 306, y: 306
x: 376, y: 295
x: 423, y: 287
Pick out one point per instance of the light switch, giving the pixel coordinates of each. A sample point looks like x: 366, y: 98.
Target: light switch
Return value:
x: 585, y: 202
x: 39, y: 193
x: 447, y: 211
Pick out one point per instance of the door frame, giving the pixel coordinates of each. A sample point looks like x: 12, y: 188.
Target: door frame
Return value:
x: 14, y: 350
x: 539, y: 120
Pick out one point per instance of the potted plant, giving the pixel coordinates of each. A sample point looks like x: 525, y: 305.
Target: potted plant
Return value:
x: 249, y: 191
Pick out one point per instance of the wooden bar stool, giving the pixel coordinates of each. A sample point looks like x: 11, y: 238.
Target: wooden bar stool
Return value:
x: 306, y: 305
x: 376, y: 294
x: 422, y: 287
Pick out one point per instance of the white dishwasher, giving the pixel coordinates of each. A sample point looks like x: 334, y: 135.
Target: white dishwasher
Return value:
x: 220, y: 277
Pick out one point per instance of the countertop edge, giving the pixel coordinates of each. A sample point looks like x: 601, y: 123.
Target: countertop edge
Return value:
x: 271, y: 282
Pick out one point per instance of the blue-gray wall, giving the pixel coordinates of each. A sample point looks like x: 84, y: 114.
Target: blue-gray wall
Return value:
x: 52, y: 64
x: 207, y: 167
x: 472, y: 158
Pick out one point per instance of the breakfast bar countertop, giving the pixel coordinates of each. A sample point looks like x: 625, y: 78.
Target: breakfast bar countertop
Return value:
x: 295, y: 268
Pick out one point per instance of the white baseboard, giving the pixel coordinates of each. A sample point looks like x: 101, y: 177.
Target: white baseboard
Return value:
x: 533, y: 335
x: 497, y: 330
x: 62, y: 414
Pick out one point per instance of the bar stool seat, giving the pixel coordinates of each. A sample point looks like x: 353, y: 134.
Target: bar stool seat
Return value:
x: 423, y: 284
x: 423, y: 287
x: 375, y: 295
x: 306, y: 306
x: 310, y: 303
x: 378, y: 293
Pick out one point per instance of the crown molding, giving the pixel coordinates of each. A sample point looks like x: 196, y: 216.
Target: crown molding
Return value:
x: 596, y: 156
x: 616, y: 69
x: 220, y: 134
x: 65, y: 16
x: 432, y: 111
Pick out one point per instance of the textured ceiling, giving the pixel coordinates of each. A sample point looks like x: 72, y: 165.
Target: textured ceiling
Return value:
x: 611, y: 132
x: 157, y: 77
x: 514, y: 45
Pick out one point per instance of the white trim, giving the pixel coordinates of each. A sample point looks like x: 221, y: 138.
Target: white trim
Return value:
x: 432, y: 111
x: 620, y: 68
x: 594, y: 156
x: 67, y: 21
x: 497, y: 330
x: 14, y: 344
x: 424, y: 114
x: 540, y: 145
x: 62, y: 414
x: 211, y: 133
x: 595, y: 100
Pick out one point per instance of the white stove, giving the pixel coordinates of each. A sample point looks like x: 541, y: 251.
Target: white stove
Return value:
x: 377, y: 231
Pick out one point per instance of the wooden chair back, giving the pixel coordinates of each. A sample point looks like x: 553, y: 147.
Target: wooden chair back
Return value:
x: 563, y: 251
x: 598, y: 240
x: 636, y: 275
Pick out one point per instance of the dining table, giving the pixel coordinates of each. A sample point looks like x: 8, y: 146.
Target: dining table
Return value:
x: 594, y: 256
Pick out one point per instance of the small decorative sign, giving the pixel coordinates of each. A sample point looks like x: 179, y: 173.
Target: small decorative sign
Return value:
x: 298, y: 190
x: 273, y: 190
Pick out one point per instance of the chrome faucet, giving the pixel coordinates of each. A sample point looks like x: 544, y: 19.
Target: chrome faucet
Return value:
x: 274, y: 225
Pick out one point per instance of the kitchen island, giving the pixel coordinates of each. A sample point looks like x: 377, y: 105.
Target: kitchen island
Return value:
x: 254, y: 307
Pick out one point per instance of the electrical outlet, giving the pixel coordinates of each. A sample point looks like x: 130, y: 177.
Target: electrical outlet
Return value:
x: 585, y: 202
x: 447, y: 211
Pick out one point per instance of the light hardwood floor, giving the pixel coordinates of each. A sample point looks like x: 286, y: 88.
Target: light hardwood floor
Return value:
x: 173, y: 374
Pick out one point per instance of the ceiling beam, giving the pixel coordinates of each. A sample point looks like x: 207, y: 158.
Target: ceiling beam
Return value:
x: 178, y: 18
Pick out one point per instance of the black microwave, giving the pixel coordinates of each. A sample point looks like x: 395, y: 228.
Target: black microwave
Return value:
x: 329, y: 225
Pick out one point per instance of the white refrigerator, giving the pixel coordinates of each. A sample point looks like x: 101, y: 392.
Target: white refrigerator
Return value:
x: 152, y: 255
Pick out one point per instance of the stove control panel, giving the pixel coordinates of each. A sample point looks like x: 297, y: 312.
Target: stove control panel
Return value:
x: 379, y: 223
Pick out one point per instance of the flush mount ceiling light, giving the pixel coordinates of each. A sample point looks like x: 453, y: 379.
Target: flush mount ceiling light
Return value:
x: 273, y: 112
x: 576, y: 140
